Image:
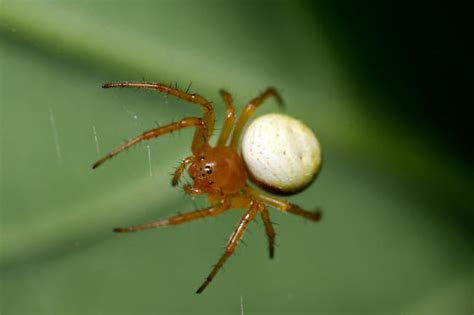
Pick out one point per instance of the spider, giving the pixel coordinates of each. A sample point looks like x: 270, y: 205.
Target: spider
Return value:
x: 218, y: 171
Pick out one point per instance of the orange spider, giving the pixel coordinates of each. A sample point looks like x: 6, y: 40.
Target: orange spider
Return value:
x: 218, y: 171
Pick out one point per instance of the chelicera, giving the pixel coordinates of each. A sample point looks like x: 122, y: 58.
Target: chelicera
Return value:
x: 218, y: 171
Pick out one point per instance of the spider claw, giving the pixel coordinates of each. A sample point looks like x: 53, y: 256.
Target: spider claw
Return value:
x: 278, y: 97
x: 120, y: 230
x: 202, y: 287
x: 272, y: 253
x: 318, y: 213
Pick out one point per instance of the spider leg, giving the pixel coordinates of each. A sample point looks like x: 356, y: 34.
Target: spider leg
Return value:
x: 229, y: 119
x: 153, y: 133
x: 248, y: 111
x: 201, y: 136
x: 232, y: 243
x: 182, y: 218
x: 268, y: 229
x: 179, y: 171
x: 286, y: 206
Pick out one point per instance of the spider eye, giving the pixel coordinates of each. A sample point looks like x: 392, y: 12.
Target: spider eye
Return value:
x: 202, y: 158
x: 208, y: 169
x: 210, y: 182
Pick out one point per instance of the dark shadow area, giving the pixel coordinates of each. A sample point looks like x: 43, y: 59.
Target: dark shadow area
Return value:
x: 413, y: 57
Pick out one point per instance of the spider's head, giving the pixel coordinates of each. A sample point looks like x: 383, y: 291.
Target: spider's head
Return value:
x: 218, y: 169
x: 202, y: 173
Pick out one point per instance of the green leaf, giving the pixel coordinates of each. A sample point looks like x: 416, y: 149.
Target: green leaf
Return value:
x: 397, y: 210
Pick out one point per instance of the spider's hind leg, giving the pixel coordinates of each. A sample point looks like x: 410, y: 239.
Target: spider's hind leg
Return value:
x: 248, y: 111
x: 268, y: 230
x: 286, y: 206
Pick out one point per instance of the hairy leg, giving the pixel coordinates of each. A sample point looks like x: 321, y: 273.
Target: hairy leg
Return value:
x: 232, y: 243
x: 269, y: 230
x: 229, y: 119
x: 248, y: 111
x: 286, y: 206
x: 182, y: 218
x: 150, y: 134
x: 201, y: 136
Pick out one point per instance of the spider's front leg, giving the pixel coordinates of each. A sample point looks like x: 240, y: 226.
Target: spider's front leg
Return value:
x: 201, y: 136
x: 150, y: 134
x: 229, y: 119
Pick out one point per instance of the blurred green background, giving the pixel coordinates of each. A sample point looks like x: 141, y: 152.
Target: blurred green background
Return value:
x: 383, y: 86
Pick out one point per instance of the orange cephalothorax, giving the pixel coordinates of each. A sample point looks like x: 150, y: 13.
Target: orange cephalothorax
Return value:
x: 219, y: 170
